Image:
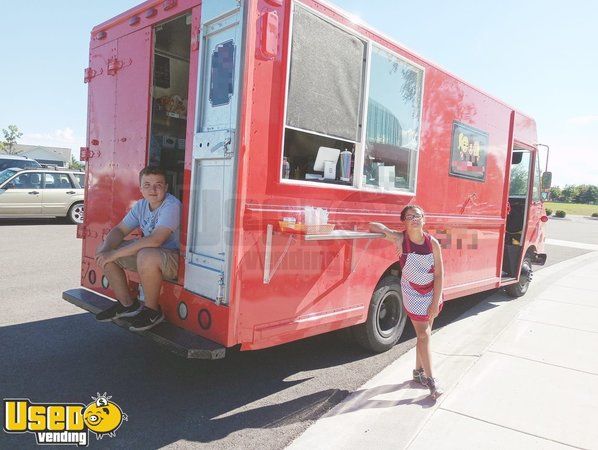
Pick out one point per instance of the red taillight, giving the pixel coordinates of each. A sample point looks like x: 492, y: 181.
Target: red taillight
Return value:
x: 544, y: 218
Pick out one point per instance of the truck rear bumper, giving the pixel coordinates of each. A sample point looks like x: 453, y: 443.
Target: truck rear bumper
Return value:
x: 179, y: 341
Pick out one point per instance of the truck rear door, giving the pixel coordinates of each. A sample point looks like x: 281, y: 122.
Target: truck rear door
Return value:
x: 132, y: 72
x: 100, y: 132
x: 214, y: 163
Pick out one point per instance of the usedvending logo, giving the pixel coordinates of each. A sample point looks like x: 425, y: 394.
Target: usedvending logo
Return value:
x: 63, y: 423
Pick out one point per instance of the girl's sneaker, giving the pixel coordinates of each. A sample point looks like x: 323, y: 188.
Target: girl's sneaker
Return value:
x: 419, y: 377
x: 435, y: 390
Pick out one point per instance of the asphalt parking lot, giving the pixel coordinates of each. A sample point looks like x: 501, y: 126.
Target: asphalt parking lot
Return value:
x: 55, y: 352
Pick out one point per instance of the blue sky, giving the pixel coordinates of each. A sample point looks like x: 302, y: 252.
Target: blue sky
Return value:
x: 539, y: 56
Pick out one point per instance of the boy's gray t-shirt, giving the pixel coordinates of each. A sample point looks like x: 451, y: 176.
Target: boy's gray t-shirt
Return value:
x: 167, y: 215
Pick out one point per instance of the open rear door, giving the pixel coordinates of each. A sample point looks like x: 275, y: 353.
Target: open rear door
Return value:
x: 100, y: 132
x: 132, y: 75
x: 214, y: 151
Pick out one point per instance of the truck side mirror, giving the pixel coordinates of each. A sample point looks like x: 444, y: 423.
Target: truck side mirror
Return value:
x: 546, y: 180
x: 544, y: 196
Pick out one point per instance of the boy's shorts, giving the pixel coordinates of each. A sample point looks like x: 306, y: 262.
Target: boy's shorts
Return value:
x: 169, y: 261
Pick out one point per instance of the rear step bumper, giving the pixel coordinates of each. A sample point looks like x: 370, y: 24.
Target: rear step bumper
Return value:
x: 179, y: 341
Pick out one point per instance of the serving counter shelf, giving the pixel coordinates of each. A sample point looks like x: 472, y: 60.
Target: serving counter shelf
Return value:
x: 342, y: 234
x: 335, y: 235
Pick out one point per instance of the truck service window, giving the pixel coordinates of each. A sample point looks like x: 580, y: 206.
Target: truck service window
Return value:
x: 393, y: 122
x: 325, y: 95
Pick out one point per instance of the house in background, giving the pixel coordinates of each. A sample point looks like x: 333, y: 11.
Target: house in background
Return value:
x: 58, y: 156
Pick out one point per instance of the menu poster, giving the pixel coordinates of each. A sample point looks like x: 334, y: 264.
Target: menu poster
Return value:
x: 469, y: 150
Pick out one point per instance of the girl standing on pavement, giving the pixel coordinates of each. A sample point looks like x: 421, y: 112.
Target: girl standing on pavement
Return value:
x: 421, y: 285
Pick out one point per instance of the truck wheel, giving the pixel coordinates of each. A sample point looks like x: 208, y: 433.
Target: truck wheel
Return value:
x: 386, y: 317
x: 525, y: 278
x: 75, y: 214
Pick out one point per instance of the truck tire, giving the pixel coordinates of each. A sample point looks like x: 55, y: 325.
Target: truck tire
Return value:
x: 525, y: 278
x: 386, y: 317
x: 75, y: 214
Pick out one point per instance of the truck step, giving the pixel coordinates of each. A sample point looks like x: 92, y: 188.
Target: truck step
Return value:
x: 179, y: 341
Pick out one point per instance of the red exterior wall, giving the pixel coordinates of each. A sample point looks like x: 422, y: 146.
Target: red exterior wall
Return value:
x: 327, y: 286
x: 319, y: 286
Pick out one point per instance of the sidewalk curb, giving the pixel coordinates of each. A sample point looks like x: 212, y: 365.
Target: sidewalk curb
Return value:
x: 462, y: 344
x: 554, y: 273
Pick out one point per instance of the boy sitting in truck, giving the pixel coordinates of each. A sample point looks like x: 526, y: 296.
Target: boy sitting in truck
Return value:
x: 155, y: 256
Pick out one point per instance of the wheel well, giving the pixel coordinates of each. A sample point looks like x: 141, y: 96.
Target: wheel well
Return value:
x: 394, y: 270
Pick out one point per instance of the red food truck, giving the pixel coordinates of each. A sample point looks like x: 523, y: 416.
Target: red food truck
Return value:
x: 285, y: 127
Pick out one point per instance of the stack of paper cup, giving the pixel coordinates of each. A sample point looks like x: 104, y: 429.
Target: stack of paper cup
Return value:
x: 315, y: 216
x: 310, y: 215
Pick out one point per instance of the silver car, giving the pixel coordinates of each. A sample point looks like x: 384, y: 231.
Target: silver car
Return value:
x: 8, y: 161
x: 28, y: 193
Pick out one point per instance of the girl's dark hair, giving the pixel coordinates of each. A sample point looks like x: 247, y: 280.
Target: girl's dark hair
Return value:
x: 410, y: 207
x: 152, y: 170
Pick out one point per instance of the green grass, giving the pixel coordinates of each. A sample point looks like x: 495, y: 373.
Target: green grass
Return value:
x: 572, y: 208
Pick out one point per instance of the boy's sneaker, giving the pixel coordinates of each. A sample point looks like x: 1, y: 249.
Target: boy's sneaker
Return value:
x: 119, y: 310
x: 435, y: 389
x: 146, y: 319
x: 419, y: 377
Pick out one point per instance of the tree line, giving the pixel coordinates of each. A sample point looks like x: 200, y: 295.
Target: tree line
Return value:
x: 575, y: 193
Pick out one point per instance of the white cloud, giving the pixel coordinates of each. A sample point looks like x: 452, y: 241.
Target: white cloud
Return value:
x: 572, y: 163
x: 64, y: 137
x: 582, y: 120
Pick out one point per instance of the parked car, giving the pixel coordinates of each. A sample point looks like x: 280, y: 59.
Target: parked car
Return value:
x: 8, y: 161
x: 29, y: 193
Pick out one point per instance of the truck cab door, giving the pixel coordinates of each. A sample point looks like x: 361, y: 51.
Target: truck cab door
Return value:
x: 519, y: 203
x: 535, y: 210
x: 214, y: 150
